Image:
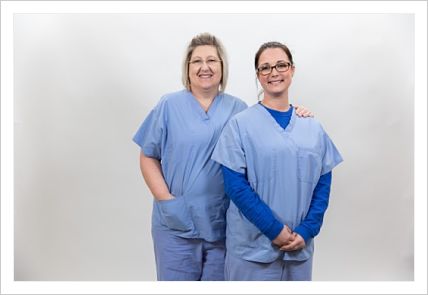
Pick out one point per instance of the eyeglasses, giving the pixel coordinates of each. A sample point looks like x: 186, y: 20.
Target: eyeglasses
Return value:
x: 211, y: 62
x: 266, y: 69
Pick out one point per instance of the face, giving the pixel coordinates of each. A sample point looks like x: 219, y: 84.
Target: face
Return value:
x: 205, y: 70
x: 276, y: 83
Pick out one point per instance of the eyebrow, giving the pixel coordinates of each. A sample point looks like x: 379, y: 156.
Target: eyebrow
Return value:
x: 278, y: 61
x: 209, y: 56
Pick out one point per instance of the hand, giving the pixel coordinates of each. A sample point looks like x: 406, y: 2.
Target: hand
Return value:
x: 297, y: 243
x: 167, y: 197
x: 284, y: 237
x: 303, y: 112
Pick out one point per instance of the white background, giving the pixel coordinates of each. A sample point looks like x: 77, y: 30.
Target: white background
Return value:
x: 84, y: 83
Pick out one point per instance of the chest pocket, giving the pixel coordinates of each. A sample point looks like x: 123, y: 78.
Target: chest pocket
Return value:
x: 309, y: 166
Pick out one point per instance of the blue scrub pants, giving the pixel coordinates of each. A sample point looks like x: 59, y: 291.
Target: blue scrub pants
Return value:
x: 180, y: 259
x: 238, y: 269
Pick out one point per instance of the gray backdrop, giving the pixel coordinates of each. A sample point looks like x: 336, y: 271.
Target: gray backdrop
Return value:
x: 85, y: 82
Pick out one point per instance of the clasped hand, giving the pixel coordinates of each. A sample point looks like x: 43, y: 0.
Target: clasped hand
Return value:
x: 288, y: 240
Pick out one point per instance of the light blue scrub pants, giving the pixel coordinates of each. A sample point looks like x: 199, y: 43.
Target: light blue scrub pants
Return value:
x: 238, y: 269
x: 180, y: 259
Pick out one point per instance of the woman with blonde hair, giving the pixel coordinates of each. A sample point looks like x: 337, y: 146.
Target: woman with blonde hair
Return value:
x: 177, y: 140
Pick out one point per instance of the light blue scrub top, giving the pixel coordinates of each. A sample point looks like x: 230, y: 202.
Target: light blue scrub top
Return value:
x: 283, y: 166
x: 182, y: 136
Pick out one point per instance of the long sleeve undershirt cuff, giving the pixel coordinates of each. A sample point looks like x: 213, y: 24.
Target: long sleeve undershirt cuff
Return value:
x: 304, y: 232
x: 274, y: 230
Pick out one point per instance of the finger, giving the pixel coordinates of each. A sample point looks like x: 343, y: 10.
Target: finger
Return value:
x: 296, y: 245
x: 307, y: 114
x: 300, y: 111
x: 289, y: 247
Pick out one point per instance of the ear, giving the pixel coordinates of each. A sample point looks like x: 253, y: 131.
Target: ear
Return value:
x: 293, y: 69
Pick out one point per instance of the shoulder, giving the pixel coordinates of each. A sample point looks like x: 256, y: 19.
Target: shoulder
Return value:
x: 244, y: 117
x: 308, y: 122
x: 233, y: 100
x: 309, y: 126
x: 174, y: 96
x: 248, y: 113
x: 171, y: 99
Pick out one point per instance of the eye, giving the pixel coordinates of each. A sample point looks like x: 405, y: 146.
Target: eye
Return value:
x: 196, y: 62
x: 264, y: 68
x: 282, y: 66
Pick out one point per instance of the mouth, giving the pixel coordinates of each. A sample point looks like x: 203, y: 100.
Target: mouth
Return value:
x: 275, y: 82
x: 205, y: 75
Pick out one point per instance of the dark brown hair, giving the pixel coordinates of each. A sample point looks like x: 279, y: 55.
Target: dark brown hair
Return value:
x: 272, y: 45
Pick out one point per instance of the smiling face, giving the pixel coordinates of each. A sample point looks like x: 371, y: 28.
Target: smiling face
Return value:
x: 205, y: 69
x: 276, y: 83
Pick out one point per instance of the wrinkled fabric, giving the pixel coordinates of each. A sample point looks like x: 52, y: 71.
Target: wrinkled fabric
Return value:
x: 283, y: 166
x: 181, y: 259
x: 180, y: 134
x: 237, y: 269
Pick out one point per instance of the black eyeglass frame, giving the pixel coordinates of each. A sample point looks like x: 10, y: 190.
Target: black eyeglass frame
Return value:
x: 288, y: 66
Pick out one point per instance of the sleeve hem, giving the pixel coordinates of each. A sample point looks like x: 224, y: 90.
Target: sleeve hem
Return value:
x: 274, y: 230
x: 239, y: 170
x: 304, y: 232
x: 148, y: 152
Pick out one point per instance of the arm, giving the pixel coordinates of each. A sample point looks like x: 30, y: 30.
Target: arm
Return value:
x: 311, y: 225
x: 254, y: 209
x: 152, y: 173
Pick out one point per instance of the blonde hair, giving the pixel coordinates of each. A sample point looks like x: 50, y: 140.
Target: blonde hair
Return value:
x: 201, y: 40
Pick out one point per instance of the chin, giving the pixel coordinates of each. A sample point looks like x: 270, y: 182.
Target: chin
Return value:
x: 277, y: 94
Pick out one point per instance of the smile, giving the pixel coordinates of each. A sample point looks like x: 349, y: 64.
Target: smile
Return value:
x: 205, y: 75
x: 275, y: 81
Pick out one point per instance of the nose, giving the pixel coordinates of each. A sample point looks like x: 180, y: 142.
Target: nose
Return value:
x: 204, y: 68
x: 204, y: 65
x: 276, y: 71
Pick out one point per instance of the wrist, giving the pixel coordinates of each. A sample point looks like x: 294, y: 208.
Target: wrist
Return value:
x: 165, y: 197
x: 304, y: 232
x: 274, y: 230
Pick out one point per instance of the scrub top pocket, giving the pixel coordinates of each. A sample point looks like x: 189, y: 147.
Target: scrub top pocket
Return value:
x: 175, y: 214
x: 309, y: 166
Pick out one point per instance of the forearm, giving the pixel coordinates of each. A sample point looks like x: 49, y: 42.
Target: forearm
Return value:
x: 152, y: 173
x: 311, y: 224
x: 248, y: 201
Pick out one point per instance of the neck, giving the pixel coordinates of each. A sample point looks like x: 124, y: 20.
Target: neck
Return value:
x: 279, y: 104
x: 205, y: 98
x: 203, y: 94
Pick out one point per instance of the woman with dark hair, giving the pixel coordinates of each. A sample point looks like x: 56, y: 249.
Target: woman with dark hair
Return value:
x: 277, y: 172
x: 177, y: 139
